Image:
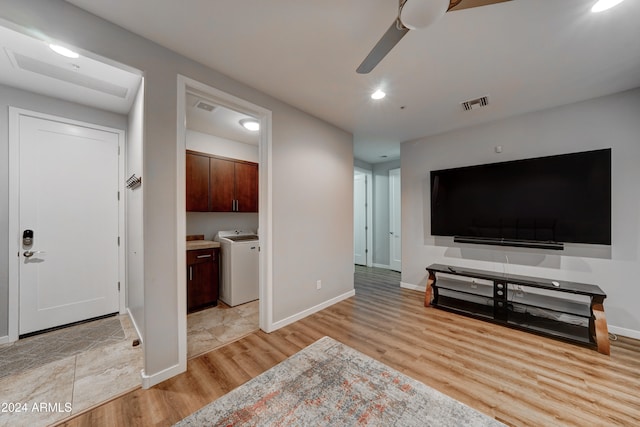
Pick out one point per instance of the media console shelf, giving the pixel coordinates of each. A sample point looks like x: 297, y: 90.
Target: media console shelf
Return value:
x: 570, y: 311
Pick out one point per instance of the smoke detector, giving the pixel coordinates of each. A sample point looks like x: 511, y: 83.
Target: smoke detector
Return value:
x: 205, y: 106
x: 474, y: 104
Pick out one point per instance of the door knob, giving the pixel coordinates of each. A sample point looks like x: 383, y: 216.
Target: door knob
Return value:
x: 29, y: 254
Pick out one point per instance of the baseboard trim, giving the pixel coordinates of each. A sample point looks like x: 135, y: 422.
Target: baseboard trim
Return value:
x: 386, y: 267
x: 135, y: 325
x: 413, y: 287
x: 291, y: 319
x: 149, y: 381
x: 629, y: 333
x: 4, y: 339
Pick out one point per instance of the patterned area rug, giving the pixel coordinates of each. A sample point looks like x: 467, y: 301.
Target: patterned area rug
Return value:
x: 328, y: 383
x: 39, y: 350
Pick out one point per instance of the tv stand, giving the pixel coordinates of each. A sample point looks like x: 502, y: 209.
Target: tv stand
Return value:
x: 528, y: 303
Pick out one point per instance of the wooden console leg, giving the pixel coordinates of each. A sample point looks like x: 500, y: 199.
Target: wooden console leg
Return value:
x: 601, y: 330
x: 429, y: 290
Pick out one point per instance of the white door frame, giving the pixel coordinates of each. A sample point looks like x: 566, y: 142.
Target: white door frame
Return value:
x: 369, y: 177
x: 14, y: 211
x: 265, y: 207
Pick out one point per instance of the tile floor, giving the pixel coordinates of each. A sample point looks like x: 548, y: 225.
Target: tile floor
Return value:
x: 73, y: 377
x: 40, y: 350
x: 45, y: 393
x: 217, y: 326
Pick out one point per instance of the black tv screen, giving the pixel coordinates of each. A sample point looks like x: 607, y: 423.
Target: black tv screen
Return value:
x: 563, y: 198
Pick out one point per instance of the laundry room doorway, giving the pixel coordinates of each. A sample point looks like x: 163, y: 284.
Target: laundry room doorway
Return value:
x: 223, y: 152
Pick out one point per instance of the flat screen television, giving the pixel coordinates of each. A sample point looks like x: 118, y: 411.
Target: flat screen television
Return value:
x: 539, y: 202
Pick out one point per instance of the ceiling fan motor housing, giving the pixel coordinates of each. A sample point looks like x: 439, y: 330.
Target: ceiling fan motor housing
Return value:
x: 416, y: 14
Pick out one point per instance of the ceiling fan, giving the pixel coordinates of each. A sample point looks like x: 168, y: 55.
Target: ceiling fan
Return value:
x: 413, y: 15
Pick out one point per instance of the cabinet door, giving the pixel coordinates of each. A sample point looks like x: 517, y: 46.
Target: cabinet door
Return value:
x: 197, y: 187
x: 247, y: 187
x: 202, y: 279
x: 222, y: 185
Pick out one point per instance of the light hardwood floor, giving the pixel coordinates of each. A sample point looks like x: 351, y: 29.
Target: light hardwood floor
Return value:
x: 518, y: 378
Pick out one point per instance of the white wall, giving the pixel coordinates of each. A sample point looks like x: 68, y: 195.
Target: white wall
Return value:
x: 209, y: 223
x: 611, y: 121
x: 218, y: 146
x: 135, y: 214
x: 312, y: 178
x: 312, y: 213
x: 30, y: 101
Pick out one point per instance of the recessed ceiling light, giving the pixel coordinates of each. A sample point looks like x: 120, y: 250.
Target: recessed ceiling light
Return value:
x: 61, y: 50
x: 250, y: 124
x: 603, y: 5
x: 378, y: 94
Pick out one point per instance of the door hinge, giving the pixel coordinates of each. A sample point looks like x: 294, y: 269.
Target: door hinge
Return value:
x: 118, y: 195
x: 118, y: 286
x: 118, y: 150
x: 118, y: 240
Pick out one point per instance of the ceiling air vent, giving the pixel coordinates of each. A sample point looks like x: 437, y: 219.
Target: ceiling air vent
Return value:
x: 205, y: 106
x: 473, y: 104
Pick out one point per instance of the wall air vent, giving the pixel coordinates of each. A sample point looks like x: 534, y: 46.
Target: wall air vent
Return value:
x: 205, y: 106
x: 473, y: 104
x: 33, y: 65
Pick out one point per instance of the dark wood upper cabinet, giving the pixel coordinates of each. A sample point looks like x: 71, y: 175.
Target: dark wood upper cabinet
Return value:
x: 246, y: 175
x: 218, y: 184
x: 222, y: 185
x: 197, y: 175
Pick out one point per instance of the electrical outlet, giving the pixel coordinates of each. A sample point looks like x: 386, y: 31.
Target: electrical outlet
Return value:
x: 319, y: 284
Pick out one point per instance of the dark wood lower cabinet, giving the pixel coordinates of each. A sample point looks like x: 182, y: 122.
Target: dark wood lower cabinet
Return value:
x: 202, y: 278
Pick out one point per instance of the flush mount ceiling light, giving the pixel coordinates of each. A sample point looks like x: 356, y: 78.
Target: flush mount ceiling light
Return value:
x: 378, y: 94
x: 250, y: 124
x: 61, y: 50
x: 602, y: 5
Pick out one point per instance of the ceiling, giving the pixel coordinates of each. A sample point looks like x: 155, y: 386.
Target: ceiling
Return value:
x: 220, y: 121
x: 526, y: 55
x: 28, y: 63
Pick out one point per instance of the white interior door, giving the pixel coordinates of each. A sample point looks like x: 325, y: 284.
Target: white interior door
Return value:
x: 360, y: 219
x: 68, y: 197
x: 395, y: 231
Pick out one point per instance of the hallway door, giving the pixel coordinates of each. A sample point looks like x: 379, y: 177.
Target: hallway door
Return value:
x: 360, y: 219
x: 395, y: 229
x: 69, y: 207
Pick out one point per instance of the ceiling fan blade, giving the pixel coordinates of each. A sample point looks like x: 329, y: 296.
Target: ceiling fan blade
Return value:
x: 380, y: 50
x: 467, y: 4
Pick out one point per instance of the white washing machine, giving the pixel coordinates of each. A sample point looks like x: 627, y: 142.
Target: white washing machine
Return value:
x: 239, y: 267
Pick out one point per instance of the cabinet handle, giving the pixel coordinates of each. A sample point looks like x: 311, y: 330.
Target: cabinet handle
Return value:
x: 204, y: 256
x: 190, y: 273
